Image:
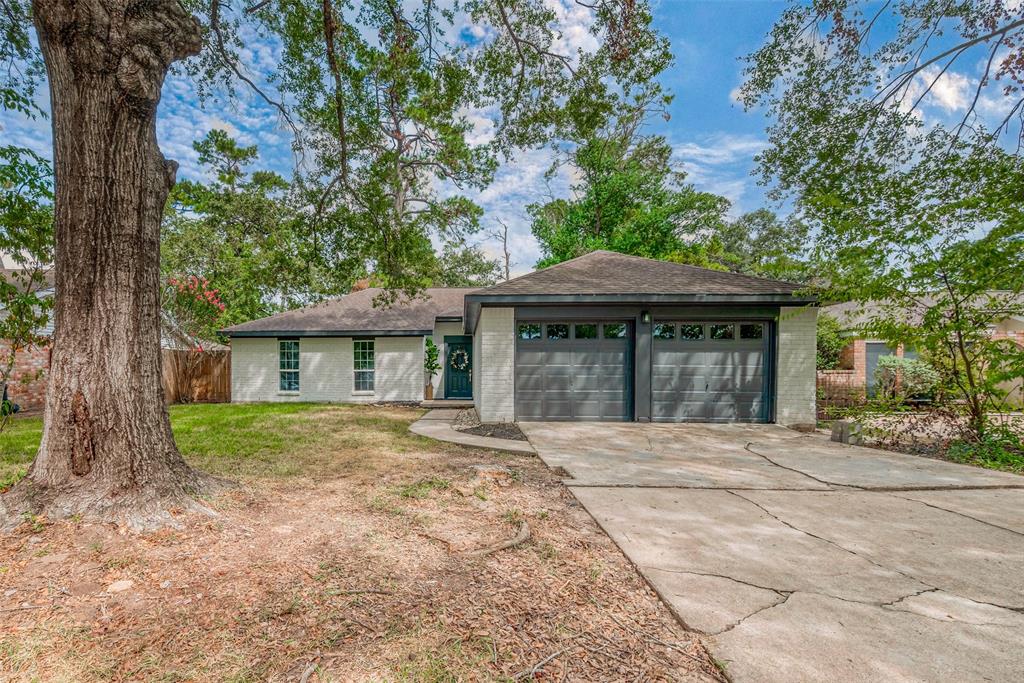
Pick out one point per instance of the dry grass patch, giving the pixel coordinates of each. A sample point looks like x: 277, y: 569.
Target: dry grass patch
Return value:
x: 344, y: 555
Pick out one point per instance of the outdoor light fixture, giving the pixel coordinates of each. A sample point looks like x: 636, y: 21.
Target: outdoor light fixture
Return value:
x: 645, y: 317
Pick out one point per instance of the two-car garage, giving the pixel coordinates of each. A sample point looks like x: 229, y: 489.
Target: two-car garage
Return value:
x: 707, y: 371
x: 608, y: 336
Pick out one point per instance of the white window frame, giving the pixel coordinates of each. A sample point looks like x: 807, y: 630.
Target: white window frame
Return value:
x: 364, y: 367
x: 284, y: 368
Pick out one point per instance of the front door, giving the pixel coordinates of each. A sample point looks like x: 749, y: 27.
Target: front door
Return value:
x: 458, y: 367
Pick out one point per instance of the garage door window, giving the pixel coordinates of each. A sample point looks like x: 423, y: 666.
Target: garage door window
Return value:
x: 723, y: 332
x: 529, y: 331
x: 691, y: 332
x: 615, y: 331
x: 558, y: 331
x: 751, y: 331
x: 663, y: 331
x: 587, y: 331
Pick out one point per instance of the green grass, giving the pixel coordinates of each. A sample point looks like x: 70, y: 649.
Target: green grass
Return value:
x: 265, y: 439
x: 423, y: 487
x: 18, y: 444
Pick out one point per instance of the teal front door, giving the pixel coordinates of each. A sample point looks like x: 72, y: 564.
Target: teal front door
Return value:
x: 458, y: 367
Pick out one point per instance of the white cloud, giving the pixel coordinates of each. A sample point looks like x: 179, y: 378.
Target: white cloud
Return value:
x: 949, y: 90
x: 722, y: 164
x: 719, y: 149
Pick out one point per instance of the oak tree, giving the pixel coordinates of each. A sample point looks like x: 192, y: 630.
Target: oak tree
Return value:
x: 377, y: 98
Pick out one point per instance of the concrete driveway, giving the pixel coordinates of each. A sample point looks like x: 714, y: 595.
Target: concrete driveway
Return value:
x: 805, y: 560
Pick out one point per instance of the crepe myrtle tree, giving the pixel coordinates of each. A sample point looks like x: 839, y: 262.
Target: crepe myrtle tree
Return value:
x: 378, y: 100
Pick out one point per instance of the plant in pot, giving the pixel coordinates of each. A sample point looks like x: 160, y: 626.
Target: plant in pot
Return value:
x: 431, y: 366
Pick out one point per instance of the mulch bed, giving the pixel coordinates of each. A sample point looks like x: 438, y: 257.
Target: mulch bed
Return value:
x: 468, y: 422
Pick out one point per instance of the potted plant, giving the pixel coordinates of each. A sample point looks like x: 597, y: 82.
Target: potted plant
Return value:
x: 431, y: 366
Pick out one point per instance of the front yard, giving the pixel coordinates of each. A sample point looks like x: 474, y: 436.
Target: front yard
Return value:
x: 345, y: 555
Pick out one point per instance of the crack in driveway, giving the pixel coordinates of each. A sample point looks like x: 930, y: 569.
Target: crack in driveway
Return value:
x: 791, y: 469
x: 830, y: 541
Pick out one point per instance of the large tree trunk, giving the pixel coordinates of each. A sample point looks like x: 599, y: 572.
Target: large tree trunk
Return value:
x: 107, y: 448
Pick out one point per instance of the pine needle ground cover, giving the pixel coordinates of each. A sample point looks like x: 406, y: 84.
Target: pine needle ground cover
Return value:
x: 348, y: 551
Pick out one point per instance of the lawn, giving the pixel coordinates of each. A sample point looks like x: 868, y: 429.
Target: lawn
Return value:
x: 345, y: 553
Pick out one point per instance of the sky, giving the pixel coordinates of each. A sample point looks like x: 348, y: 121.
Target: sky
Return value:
x: 714, y: 139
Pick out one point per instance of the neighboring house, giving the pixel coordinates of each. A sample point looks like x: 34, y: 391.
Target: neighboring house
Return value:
x: 27, y: 384
x: 859, y: 358
x: 602, y: 337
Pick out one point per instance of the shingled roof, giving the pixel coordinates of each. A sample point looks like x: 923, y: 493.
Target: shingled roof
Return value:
x: 355, y: 314
x: 608, y: 272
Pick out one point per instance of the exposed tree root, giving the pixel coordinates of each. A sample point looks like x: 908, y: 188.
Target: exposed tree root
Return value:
x: 521, y: 536
x: 142, y: 508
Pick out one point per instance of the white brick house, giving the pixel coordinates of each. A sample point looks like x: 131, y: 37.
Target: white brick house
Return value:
x: 602, y: 337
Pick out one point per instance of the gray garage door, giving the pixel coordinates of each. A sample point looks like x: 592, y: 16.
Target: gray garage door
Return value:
x: 573, y: 371
x: 708, y: 371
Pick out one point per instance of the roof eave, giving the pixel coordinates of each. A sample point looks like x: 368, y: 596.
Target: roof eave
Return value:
x: 773, y: 297
x: 473, y: 302
x: 326, y: 333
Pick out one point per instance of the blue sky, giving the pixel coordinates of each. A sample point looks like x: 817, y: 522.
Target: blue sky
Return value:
x: 714, y: 139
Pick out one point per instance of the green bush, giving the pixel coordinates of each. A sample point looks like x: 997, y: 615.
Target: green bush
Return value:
x: 898, y: 379
x: 830, y: 342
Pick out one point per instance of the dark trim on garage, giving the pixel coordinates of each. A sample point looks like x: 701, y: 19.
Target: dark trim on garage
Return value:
x: 685, y: 304
x: 332, y: 333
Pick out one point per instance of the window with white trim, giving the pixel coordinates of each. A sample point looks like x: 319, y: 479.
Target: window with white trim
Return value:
x: 363, y: 364
x: 288, y: 364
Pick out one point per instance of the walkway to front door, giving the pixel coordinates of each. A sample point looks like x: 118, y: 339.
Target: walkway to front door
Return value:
x: 458, y: 367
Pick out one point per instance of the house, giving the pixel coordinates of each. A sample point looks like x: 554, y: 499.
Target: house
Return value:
x: 859, y: 358
x: 602, y: 337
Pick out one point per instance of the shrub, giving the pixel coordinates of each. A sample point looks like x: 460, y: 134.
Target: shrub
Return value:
x: 999, y: 447
x: 830, y: 342
x: 898, y: 379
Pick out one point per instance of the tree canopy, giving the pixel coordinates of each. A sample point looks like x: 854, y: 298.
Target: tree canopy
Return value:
x: 912, y: 207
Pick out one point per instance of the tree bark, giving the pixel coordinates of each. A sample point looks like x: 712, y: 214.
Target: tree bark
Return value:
x: 107, y: 449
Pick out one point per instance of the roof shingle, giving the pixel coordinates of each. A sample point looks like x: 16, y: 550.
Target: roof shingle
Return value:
x: 355, y: 313
x: 607, y: 272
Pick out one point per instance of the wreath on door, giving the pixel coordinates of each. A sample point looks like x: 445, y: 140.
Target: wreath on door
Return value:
x: 459, y: 360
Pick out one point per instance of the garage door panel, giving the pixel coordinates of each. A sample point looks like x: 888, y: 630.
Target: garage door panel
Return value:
x: 587, y: 382
x: 676, y: 411
x: 559, y: 382
x: 749, y: 411
x: 718, y: 380
x: 577, y: 378
x: 529, y: 381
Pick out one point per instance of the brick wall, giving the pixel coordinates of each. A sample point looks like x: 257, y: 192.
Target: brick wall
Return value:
x: 27, y: 385
x: 325, y: 370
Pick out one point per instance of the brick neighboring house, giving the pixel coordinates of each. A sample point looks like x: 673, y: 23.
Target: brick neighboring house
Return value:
x: 853, y: 380
x: 27, y: 384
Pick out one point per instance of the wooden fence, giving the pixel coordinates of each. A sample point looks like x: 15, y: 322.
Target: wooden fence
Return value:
x: 197, y: 376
